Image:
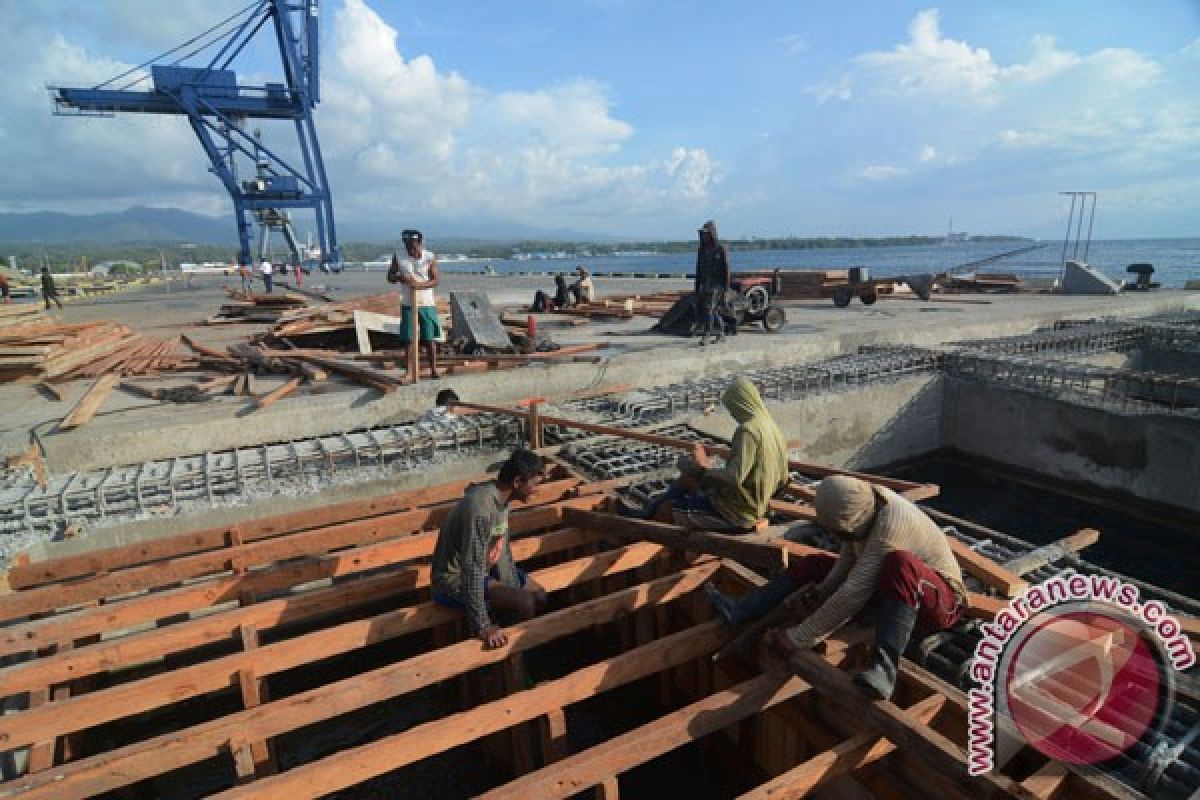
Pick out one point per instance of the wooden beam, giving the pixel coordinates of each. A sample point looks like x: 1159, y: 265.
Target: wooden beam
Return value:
x: 901, y: 728
x: 985, y: 569
x: 760, y: 554
x: 131, y: 555
x: 351, y: 767
x: 306, y: 543
x: 852, y: 754
x: 220, y: 626
x: 126, y: 699
x: 622, y: 753
x: 161, y: 754
x: 1048, y: 781
x: 1046, y: 554
x: 278, y: 394
x: 90, y: 402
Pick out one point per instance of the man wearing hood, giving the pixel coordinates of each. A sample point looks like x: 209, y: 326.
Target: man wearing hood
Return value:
x: 735, y: 496
x: 891, y: 553
x: 712, y: 281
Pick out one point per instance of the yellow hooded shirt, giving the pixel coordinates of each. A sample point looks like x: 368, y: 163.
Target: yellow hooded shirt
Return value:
x: 758, y: 464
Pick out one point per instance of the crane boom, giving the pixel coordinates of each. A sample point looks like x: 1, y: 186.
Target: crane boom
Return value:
x: 218, y: 108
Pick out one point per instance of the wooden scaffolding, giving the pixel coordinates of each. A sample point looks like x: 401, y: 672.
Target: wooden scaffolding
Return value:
x: 215, y: 652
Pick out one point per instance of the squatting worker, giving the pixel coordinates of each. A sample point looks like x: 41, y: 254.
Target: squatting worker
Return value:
x: 734, y: 497
x: 583, y: 289
x: 418, y: 270
x: 712, y: 281
x: 473, y: 566
x: 891, y: 552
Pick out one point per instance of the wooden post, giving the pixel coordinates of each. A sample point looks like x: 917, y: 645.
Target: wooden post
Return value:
x: 514, y: 682
x: 535, y: 426
x: 553, y: 736
x: 251, y: 759
x: 414, y: 340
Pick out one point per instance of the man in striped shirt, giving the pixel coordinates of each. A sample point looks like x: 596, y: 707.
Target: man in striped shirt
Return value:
x: 891, y: 553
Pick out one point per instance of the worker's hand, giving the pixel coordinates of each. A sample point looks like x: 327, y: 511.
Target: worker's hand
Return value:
x: 700, y: 456
x: 493, y: 637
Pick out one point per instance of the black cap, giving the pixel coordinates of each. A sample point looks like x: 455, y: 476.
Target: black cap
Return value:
x: 411, y: 235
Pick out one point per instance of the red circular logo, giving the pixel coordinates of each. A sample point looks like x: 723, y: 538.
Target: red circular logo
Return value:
x: 1083, y: 686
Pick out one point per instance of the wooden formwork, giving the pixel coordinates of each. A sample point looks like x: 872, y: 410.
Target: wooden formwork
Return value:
x: 182, y: 624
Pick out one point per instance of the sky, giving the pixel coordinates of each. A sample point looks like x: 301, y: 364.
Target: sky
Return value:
x: 643, y: 118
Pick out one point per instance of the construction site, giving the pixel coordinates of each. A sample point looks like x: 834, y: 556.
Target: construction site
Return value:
x: 221, y: 510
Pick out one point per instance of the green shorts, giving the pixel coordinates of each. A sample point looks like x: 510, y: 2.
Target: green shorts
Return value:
x: 429, y: 327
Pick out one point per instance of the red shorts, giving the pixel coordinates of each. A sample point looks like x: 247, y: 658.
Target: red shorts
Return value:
x: 903, y: 577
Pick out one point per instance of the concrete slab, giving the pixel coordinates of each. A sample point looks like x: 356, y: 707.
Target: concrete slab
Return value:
x: 130, y: 429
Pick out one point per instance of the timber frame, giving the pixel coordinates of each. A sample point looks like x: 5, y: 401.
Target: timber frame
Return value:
x: 145, y: 660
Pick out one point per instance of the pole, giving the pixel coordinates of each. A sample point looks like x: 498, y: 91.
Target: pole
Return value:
x: 1079, y: 224
x: 1091, y: 219
x: 414, y: 343
x: 1062, y: 272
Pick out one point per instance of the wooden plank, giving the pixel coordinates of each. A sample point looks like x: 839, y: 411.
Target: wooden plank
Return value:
x: 901, y: 728
x: 1048, y: 781
x: 767, y: 555
x: 124, y: 556
x: 155, y: 691
x: 351, y: 767
x: 985, y: 569
x: 160, y: 754
x: 366, y: 321
x: 852, y: 754
x: 256, y: 755
x: 622, y: 753
x: 211, y: 628
x: 89, y: 403
x: 552, y: 730
x: 314, y: 542
x: 279, y: 393
x: 1041, y: 556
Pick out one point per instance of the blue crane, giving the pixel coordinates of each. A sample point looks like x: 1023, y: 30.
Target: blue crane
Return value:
x: 218, y: 109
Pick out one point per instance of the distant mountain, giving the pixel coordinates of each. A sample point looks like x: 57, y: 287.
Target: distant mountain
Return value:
x: 137, y: 224
x: 172, y: 226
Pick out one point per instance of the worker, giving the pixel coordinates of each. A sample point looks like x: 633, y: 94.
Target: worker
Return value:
x: 268, y: 275
x: 49, y: 290
x: 583, y: 289
x: 711, y: 283
x: 562, y: 292
x: 443, y: 407
x: 734, y: 497
x: 418, y: 270
x: 247, y: 278
x: 299, y: 273
x: 5, y: 292
x: 473, y: 567
x: 891, y: 552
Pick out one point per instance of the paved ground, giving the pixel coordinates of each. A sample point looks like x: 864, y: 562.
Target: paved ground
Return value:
x: 130, y: 428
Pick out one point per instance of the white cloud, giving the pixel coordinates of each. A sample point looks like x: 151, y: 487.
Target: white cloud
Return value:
x: 928, y: 153
x: 931, y: 62
x: 1192, y: 49
x: 882, y: 172
x: 401, y: 134
x: 841, y: 89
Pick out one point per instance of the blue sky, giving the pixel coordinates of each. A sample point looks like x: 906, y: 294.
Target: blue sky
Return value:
x: 643, y: 118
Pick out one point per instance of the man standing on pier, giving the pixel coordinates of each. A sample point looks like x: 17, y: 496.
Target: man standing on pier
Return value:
x: 419, y: 272
x: 49, y: 290
x: 712, y: 281
x: 473, y: 567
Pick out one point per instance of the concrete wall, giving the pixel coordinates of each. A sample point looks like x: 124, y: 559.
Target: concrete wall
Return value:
x: 1156, y: 457
x: 1166, y: 361
x: 867, y: 427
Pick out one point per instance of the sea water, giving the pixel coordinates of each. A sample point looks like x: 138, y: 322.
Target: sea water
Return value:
x: 1175, y: 261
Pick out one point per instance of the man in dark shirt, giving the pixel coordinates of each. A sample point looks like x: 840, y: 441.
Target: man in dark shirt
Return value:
x: 49, y: 290
x: 712, y: 281
x: 473, y: 566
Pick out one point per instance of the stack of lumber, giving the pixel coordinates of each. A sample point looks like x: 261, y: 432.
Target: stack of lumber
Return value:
x: 52, y: 351
x: 333, y: 318
x: 981, y: 282
x: 14, y: 314
x: 256, y: 308
x: 625, y: 306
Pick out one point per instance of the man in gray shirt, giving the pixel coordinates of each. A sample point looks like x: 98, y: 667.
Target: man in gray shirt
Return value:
x: 473, y: 566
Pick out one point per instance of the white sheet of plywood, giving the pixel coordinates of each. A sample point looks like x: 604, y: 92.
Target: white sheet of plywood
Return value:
x: 366, y: 321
